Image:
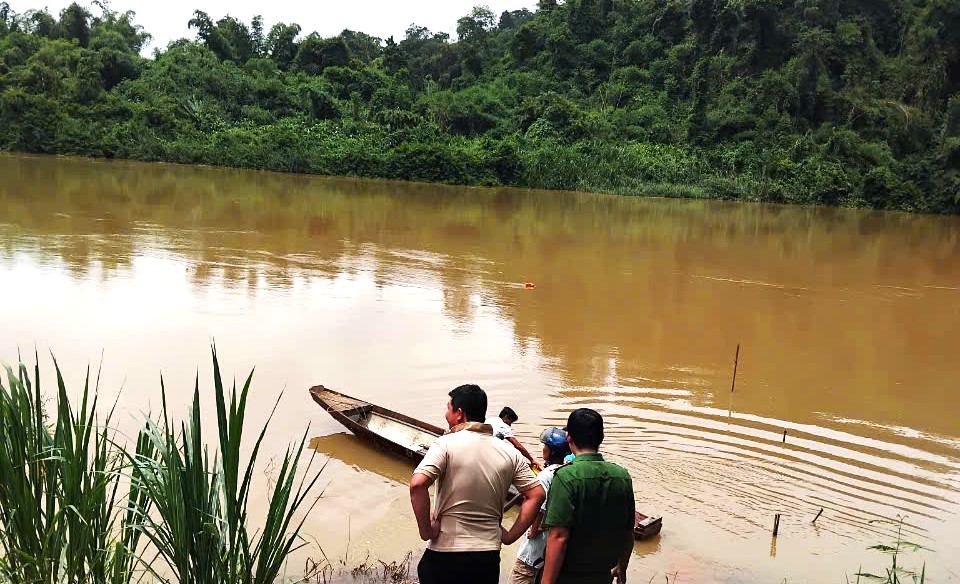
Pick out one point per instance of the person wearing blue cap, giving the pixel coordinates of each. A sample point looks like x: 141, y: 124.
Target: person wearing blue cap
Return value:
x: 531, y: 555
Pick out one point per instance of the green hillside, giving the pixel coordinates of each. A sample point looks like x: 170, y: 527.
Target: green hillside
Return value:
x: 831, y: 102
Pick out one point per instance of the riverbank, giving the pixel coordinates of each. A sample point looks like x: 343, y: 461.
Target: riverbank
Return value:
x: 752, y: 173
x: 81, y: 503
x: 765, y: 103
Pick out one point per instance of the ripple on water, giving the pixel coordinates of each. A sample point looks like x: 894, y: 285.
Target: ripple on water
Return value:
x: 735, y: 472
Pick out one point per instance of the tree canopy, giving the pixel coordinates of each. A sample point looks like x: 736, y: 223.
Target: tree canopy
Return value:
x: 830, y: 102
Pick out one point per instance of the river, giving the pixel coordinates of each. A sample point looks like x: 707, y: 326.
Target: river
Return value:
x: 847, y: 324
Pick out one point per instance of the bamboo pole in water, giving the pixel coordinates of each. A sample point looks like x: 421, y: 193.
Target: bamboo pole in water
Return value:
x: 818, y: 515
x: 733, y: 384
x: 776, y: 524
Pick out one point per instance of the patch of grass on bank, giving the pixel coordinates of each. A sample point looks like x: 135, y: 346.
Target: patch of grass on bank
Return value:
x: 64, y: 518
x: 184, y: 512
x: 366, y: 572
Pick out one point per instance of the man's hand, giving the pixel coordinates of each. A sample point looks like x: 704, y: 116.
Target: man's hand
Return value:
x: 620, y: 571
x: 535, y: 466
x: 523, y: 451
x: 507, y: 537
x: 434, y: 532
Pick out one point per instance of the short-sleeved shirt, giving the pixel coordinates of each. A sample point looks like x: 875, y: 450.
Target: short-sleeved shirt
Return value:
x: 533, y: 549
x: 501, y: 429
x: 473, y: 471
x: 594, y: 499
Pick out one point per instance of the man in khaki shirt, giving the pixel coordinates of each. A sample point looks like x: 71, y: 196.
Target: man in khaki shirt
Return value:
x: 473, y: 471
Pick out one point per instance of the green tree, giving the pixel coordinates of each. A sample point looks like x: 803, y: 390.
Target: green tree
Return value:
x: 281, y: 44
x: 75, y: 24
x: 316, y: 53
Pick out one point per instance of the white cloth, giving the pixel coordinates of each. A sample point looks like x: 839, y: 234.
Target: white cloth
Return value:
x: 533, y: 550
x: 501, y: 429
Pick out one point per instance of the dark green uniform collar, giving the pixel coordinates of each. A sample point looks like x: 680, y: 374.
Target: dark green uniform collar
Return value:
x: 588, y: 457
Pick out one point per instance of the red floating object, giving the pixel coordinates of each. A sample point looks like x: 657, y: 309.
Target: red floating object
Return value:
x: 529, y: 285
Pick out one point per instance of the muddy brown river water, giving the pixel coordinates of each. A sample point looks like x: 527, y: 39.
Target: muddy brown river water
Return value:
x: 847, y: 322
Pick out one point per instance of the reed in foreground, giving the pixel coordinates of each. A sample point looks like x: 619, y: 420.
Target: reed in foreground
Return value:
x: 201, y: 522
x: 79, y: 507
x: 60, y: 493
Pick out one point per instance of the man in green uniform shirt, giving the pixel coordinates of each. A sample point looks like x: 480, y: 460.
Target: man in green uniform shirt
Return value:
x: 590, y: 511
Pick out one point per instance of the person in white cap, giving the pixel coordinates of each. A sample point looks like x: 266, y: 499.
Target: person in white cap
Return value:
x: 503, y: 429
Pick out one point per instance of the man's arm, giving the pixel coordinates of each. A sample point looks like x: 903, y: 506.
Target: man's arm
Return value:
x: 532, y: 501
x: 523, y: 451
x: 537, y: 526
x: 420, y: 500
x: 620, y: 571
x: 556, y: 552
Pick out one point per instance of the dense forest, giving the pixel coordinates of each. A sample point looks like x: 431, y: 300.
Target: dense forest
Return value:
x: 830, y: 102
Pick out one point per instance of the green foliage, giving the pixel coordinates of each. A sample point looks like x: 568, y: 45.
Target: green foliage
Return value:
x: 61, y: 504
x: 896, y: 573
x: 78, y: 507
x: 822, y: 103
x: 200, y: 520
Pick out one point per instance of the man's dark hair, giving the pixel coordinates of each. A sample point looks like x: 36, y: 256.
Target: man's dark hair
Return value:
x: 472, y: 400
x: 558, y: 453
x: 585, y: 427
x: 509, y: 414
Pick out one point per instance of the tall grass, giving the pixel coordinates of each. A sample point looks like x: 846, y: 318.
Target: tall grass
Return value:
x: 200, y: 527
x: 60, y: 489
x: 78, y: 507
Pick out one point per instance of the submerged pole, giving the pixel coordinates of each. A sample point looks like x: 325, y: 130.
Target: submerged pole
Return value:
x: 776, y: 524
x: 818, y: 515
x: 784, y: 435
x: 733, y: 384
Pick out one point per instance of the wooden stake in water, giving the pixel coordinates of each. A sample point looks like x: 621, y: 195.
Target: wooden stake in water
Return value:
x: 733, y: 384
x: 776, y: 524
x: 784, y: 436
x: 818, y: 515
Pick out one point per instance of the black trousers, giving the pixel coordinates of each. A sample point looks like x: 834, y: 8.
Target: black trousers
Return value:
x: 459, y: 567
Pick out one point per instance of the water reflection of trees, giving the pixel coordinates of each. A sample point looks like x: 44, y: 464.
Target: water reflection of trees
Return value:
x: 657, y: 285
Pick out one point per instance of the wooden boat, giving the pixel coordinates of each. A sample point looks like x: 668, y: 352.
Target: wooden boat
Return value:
x: 646, y: 527
x: 387, y: 429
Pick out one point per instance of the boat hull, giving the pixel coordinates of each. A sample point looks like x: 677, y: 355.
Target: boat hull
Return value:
x: 386, y: 429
